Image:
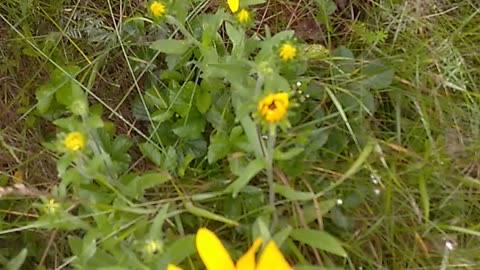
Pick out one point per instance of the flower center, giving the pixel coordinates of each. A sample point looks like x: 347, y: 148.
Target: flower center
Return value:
x: 272, y: 106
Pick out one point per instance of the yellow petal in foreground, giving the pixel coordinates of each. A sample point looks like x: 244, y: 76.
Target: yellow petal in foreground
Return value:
x: 233, y: 5
x: 173, y: 267
x: 272, y: 258
x: 212, y: 252
x: 247, y: 261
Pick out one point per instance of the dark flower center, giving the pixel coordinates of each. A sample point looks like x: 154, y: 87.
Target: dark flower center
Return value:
x: 272, y: 106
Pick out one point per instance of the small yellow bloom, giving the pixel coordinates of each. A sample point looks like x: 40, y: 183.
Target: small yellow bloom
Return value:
x: 74, y: 141
x: 287, y: 52
x: 274, y: 107
x: 157, y: 9
x: 243, y: 16
x: 215, y: 256
x: 52, y: 207
x: 233, y: 5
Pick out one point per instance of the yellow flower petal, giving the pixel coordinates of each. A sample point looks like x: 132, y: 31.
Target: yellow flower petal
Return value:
x: 287, y: 52
x: 233, y: 5
x: 247, y: 261
x: 157, y: 9
x: 74, y: 141
x: 173, y: 267
x: 272, y: 258
x: 212, y: 252
x: 243, y: 16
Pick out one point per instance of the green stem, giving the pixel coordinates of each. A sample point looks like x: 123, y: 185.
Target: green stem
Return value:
x: 272, y: 134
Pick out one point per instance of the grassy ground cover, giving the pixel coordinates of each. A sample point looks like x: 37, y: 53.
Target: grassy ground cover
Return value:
x: 345, y: 132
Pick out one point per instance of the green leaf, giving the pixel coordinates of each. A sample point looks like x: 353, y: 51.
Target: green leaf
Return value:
x: 185, y: 164
x: 281, y: 236
x: 76, y: 245
x: 203, y: 100
x: 200, y: 212
x: 181, y: 249
x: 345, y: 59
x: 148, y: 180
x: 325, y: 9
x: 152, y: 153
x: 312, y: 211
x: 260, y: 228
x: 378, y: 76
x: 44, y: 96
x: 181, y: 97
x: 64, y: 221
x: 17, y: 261
x: 320, y: 240
x: 156, y: 231
x: 292, y: 194
x: 171, y: 46
x: 252, y: 134
x: 291, y: 153
x: 120, y: 146
x: 422, y: 187
x: 252, y: 169
x: 68, y: 90
x: 191, y: 126
x: 219, y: 148
x: 236, y: 37
x: 161, y: 115
x: 313, y: 267
x: 171, y: 162
x: 247, y: 3
x: 328, y: 6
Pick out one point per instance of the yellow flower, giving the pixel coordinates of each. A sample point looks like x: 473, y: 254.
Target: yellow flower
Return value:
x: 157, y: 9
x: 274, y: 107
x: 243, y: 16
x: 216, y: 257
x: 287, y: 52
x: 74, y: 141
x: 173, y: 267
x: 52, y: 207
x: 233, y: 5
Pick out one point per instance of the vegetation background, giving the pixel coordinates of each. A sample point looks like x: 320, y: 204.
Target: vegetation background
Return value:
x: 378, y: 171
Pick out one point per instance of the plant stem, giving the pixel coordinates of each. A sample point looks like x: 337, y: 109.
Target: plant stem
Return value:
x: 272, y: 133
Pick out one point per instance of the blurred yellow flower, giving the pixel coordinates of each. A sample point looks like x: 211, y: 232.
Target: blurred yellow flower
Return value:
x: 51, y: 207
x: 243, y: 16
x: 274, y: 107
x: 173, y: 267
x: 157, y: 9
x: 233, y: 5
x: 216, y: 257
x: 74, y: 141
x: 287, y: 52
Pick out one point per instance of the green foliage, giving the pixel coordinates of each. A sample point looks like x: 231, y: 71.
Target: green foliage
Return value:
x: 359, y: 172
